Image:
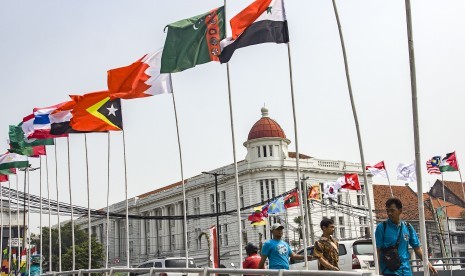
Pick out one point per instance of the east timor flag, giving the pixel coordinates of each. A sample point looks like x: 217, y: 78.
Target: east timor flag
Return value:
x: 95, y: 112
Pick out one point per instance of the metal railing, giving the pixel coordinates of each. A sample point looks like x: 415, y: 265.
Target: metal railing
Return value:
x: 205, y: 271
x: 453, y: 263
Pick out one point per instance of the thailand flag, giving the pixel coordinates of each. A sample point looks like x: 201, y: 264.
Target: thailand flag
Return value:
x: 41, y: 125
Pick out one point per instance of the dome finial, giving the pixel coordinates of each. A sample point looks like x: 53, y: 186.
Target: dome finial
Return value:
x: 265, y: 111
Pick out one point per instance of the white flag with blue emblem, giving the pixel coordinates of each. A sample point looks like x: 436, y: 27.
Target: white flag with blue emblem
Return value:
x: 406, y: 172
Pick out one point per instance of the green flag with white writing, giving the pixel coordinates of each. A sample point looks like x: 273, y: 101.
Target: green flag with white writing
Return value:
x: 193, y: 41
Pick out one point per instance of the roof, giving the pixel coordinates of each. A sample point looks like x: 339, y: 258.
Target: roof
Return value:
x: 456, y: 188
x: 453, y: 211
x: 162, y: 189
x: 301, y: 156
x: 266, y: 128
x: 381, y: 193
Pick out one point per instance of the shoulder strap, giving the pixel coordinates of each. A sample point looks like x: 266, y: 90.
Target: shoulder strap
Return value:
x: 400, y: 234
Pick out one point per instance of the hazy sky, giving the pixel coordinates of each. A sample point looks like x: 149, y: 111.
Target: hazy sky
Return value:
x: 49, y: 49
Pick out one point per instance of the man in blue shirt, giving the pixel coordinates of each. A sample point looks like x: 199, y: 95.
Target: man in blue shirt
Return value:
x: 278, y: 251
x: 387, y: 234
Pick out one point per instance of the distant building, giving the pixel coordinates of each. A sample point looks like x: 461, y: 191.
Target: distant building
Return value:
x: 451, y: 214
x: 268, y: 170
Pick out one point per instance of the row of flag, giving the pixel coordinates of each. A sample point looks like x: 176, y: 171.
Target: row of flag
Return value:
x: 14, y: 265
x: 189, y: 42
x: 279, y: 205
x: 407, y: 172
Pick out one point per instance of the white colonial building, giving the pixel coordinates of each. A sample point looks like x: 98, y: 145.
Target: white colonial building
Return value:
x: 268, y: 170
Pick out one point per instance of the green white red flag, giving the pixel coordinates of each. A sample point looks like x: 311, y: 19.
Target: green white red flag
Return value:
x: 449, y: 163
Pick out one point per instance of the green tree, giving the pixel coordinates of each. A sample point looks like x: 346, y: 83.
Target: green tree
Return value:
x: 81, y: 244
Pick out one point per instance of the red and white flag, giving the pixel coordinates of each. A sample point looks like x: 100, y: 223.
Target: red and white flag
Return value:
x: 140, y: 79
x: 213, y: 247
x: 378, y: 169
x: 351, y: 182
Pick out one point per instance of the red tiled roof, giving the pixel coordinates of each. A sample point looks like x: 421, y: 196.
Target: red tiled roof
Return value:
x: 456, y: 188
x: 162, y: 189
x: 409, y: 199
x: 301, y: 156
x: 453, y: 211
x: 266, y: 127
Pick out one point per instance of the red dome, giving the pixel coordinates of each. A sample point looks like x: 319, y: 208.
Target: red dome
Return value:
x: 266, y: 127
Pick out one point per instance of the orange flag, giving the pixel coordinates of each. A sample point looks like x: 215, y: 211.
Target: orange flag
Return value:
x: 95, y: 112
x: 242, y: 20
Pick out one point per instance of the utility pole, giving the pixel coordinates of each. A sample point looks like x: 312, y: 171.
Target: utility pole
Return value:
x: 217, y: 204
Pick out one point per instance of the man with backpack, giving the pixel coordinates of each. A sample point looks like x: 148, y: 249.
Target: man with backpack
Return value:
x: 392, y: 239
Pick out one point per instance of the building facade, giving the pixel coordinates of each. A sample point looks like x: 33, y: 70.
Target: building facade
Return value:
x: 268, y: 170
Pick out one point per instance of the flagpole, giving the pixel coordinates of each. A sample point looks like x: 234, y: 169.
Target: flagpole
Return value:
x: 49, y: 218
x: 40, y: 217
x: 9, y: 224
x: 389, y: 181
x: 28, y: 236
x: 359, y: 138
x: 89, y: 229
x: 71, y: 205
x: 1, y: 219
x: 58, y: 205
x: 126, y: 195
x: 184, y: 209
x: 461, y: 182
x: 297, y: 154
x: 416, y: 132
x: 447, y: 218
x: 17, y: 219
x: 108, y: 204
x: 236, y: 173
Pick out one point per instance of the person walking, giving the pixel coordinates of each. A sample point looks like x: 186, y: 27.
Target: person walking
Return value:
x: 326, y: 249
x: 278, y: 251
x: 392, y: 239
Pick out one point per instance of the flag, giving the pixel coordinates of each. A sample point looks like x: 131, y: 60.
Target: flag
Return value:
x: 257, y: 218
x: 378, y: 169
x: 8, y: 171
x: 276, y: 206
x: 314, y: 192
x: 330, y: 189
x: 95, y: 112
x: 23, y: 259
x: 4, y: 174
x: 432, y: 165
x: 19, y: 145
x: 351, y: 182
x: 13, y: 160
x: 5, y: 258
x: 213, y: 247
x: 140, y: 79
x: 60, y: 119
x: 449, y: 163
x: 261, y: 22
x: 292, y: 199
x: 406, y: 172
x: 42, y: 122
x: 35, y: 151
x: 193, y: 41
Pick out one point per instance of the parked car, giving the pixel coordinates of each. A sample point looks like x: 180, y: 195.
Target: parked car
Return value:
x: 354, y: 255
x: 171, y: 262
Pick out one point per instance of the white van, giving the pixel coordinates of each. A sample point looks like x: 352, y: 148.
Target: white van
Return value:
x: 354, y: 255
x: 171, y: 262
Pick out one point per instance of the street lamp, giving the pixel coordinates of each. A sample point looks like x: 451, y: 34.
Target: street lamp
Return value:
x: 26, y: 170
x: 217, y: 212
